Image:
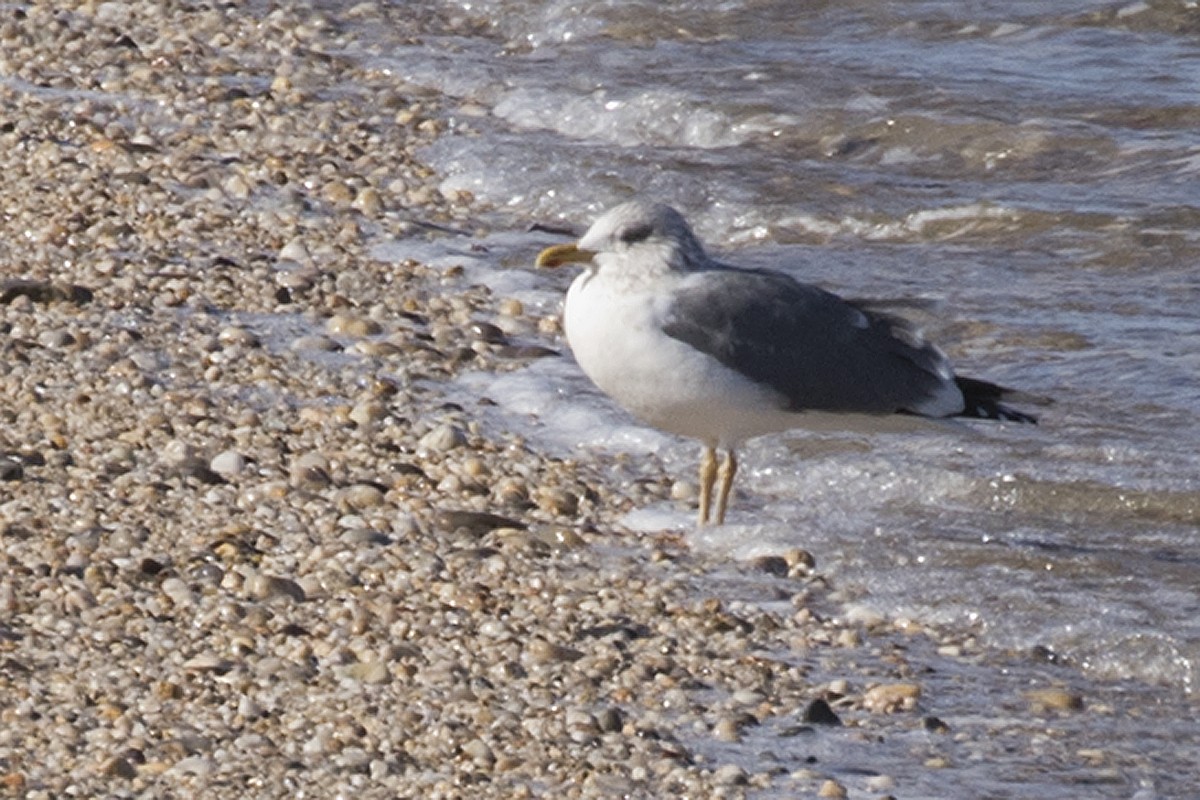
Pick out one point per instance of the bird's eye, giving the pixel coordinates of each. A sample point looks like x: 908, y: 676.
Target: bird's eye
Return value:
x: 638, y: 233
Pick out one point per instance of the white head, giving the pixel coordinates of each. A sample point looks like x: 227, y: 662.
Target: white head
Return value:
x: 636, y: 235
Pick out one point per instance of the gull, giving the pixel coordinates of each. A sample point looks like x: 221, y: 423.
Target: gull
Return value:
x: 723, y: 354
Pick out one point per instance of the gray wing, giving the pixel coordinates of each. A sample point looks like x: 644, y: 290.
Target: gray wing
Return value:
x: 819, y: 351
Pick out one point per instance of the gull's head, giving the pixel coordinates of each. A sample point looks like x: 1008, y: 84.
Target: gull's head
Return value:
x: 635, y: 236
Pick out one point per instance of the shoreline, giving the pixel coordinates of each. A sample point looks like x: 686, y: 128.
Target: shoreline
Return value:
x: 251, y: 559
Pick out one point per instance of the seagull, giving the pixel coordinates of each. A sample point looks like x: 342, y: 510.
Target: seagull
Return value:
x: 723, y: 354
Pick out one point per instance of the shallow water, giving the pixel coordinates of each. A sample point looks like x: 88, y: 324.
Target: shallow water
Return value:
x: 1032, y: 170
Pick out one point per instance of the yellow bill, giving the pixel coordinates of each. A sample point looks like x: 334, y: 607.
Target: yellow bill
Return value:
x: 561, y: 254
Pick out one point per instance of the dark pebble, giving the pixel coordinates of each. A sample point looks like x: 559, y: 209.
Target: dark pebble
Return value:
x: 935, y: 725
x: 610, y: 720
x: 772, y: 565
x: 819, y: 712
x: 11, y: 469
x: 43, y: 291
x: 475, y: 523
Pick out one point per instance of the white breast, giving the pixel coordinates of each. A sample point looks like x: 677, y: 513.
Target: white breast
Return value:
x: 616, y: 336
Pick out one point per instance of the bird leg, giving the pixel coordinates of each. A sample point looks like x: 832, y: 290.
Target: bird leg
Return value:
x: 708, y: 476
x: 728, y: 470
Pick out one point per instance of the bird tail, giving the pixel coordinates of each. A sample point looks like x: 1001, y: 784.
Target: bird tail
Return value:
x: 982, y: 400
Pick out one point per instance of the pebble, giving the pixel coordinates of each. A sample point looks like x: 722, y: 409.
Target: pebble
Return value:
x: 11, y: 469
x: 1041, y: 700
x: 179, y: 592
x: 118, y: 767
x: 880, y: 783
x: 771, y: 565
x: 228, y: 463
x: 266, y: 587
x: 367, y: 413
x: 235, y: 336
x: 354, y: 326
x: 474, y: 523
x: 316, y: 343
x: 362, y: 496
x: 193, y: 765
x: 730, y: 775
x: 55, y: 339
x: 443, y: 438
x: 294, y: 250
x: 889, y: 698
x: 819, y: 712
x: 478, y: 751
x: 543, y: 652
x: 310, y: 470
x: 832, y: 789
x: 727, y: 729
x: 373, y: 672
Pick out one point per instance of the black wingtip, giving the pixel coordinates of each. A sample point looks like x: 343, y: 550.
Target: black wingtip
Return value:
x: 982, y: 400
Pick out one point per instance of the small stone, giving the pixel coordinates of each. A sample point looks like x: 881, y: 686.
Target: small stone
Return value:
x: 346, y: 325
x: 474, y: 523
x: 848, y: 638
x: 56, y: 339
x: 228, y: 464
x: 561, y: 539
x: 442, y: 439
x: 236, y: 187
x: 831, y: 789
x: 511, y: 491
x: 42, y: 291
x: 684, y: 490
x: 730, y: 775
x: 207, y: 662
x: 889, y: 698
x: 610, y: 720
x: 118, y: 767
x: 881, y: 783
x: 310, y: 471
x: 488, y: 333
x: 294, y: 250
x: 771, y: 565
x: 367, y: 413
x: 178, y: 591
x: 265, y: 587
x: 543, y: 652
x: 193, y: 765
x: 337, y: 193
x: 511, y: 307
x: 367, y: 201
x: 935, y: 725
x: 800, y: 562
x: 177, y: 452
x: 862, y: 614
x: 362, y: 495
x: 556, y: 501
x: 11, y: 469
x: 316, y: 343
x: 1041, y: 700
x: 236, y: 336
x: 371, y: 672
x: 478, y: 751
x: 727, y: 730
x: 819, y: 712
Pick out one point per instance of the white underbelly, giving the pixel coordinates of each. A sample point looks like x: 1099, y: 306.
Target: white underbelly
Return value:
x: 618, y: 341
